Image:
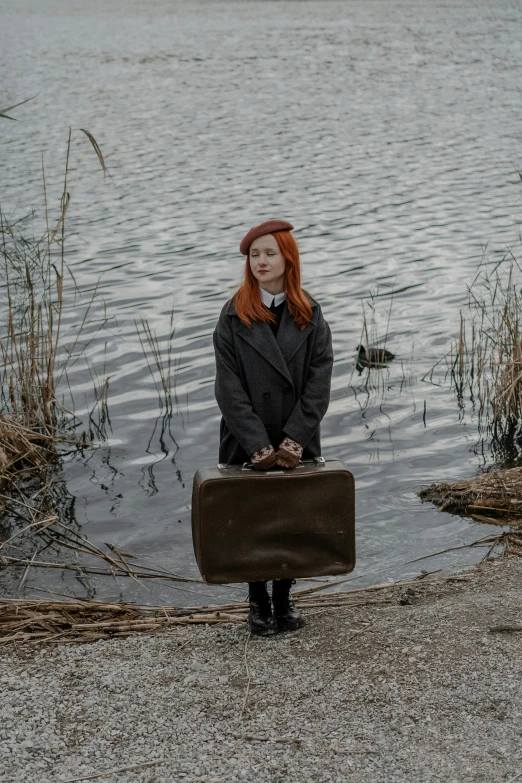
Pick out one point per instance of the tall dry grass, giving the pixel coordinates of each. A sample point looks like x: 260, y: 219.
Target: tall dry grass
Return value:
x: 36, y: 512
x: 33, y: 296
x: 486, y: 358
x: 161, y: 362
x: 33, y: 267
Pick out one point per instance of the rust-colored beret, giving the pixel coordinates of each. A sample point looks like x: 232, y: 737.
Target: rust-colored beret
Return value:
x: 268, y: 227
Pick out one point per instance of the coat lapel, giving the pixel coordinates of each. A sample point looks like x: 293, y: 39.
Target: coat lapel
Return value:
x: 277, y: 351
x: 290, y: 336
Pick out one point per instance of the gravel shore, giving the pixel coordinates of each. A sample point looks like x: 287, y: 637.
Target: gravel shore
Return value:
x: 416, y: 690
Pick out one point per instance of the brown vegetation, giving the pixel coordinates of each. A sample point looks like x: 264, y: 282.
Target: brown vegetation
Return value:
x: 33, y: 361
x: 486, y: 359
x: 494, y: 497
x: 79, y: 621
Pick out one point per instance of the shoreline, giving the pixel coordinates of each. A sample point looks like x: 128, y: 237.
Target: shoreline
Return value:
x: 79, y: 620
x: 415, y: 687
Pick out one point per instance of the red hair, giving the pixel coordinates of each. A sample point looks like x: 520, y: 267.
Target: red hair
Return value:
x: 247, y: 299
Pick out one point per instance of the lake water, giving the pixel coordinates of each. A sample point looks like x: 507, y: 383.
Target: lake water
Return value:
x: 388, y: 132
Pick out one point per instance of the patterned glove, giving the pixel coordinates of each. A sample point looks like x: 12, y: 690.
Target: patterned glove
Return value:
x: 264, y: 458
x: 289, y: 452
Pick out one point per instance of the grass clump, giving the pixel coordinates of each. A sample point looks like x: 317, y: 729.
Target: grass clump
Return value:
x: 32, y: 297
x: 485, y: 360
x: 485, y: 365
x: 495, y: 497
x: 32, y: 420
x: 34, y: 424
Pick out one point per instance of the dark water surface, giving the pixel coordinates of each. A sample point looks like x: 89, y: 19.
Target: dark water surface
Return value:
x: 388, y: 132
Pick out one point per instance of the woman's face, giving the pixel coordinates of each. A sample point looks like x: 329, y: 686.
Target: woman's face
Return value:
x: 267, y: 263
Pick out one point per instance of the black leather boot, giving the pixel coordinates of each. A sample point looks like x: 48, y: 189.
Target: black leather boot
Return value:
x: 287, y: 617
x: 260, y: 617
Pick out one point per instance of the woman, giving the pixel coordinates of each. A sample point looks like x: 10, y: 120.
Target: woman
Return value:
x: 273, y: 372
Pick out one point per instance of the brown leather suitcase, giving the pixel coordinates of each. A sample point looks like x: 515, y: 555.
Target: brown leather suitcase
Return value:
x: 250, y: 525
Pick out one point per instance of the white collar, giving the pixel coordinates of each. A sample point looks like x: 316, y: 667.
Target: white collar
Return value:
x: 269, y: 298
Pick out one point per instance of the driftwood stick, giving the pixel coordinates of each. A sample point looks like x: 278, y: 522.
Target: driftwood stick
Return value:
x: 86, y: 569
x: 339, y: 604
x: 384, y: 586
x: 19, y: 503
x: 129, y: 625
x: 211, y: 607
x: 48, y: 520
x: 247, y: 689
x: 480, y: 542
x: 24, y: 575
x: 155, y: 622
x: 87, y: 546
x: 324, y: 586
x: 260, y: 738
x: 114, y: 771
x: 75, y: 605
x: 121, y: 557
x: 505, y: 628
x: 209, y: 618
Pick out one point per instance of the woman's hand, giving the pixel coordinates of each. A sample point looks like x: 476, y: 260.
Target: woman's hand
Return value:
x: 289, y: 453
x: 264, y: 458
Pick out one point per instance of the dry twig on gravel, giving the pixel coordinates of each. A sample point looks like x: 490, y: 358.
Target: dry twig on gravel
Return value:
x: 41, y: 620
x: 117, y: 770
x: 259, y: 738
x: 249, y: 680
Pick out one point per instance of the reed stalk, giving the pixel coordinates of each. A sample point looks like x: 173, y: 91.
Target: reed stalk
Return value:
x: 34, y: 356
x: 486, y: 358
x: 163, y: 372
x: 33, y: 621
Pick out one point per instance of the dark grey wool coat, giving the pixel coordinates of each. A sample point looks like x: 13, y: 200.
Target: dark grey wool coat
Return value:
x: 268, y: 387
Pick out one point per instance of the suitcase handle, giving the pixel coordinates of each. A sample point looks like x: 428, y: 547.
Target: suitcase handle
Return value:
x: 248, y: 465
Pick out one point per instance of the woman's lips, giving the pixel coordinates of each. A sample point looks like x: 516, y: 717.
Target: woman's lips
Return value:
x: 263, y: 271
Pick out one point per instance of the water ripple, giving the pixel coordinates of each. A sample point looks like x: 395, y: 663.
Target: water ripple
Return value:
x: 384, y: 131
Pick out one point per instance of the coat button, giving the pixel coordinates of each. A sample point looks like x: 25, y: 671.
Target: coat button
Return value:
x: 287, y: 390
x: 266, y: 394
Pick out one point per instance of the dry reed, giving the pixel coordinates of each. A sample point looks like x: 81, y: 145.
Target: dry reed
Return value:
x: 485, y: 361
x: 35, y: 621
x: 33, y: 295
x: 32, y: 620
x: 494, y: 497
x: 34, y: 423
x: 163, y: 371
x: 33, y: 360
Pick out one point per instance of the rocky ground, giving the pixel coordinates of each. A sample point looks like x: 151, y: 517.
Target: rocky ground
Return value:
x: 415, y: 690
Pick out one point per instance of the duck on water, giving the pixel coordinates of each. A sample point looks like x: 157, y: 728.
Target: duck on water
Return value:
x: 373, y: 357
